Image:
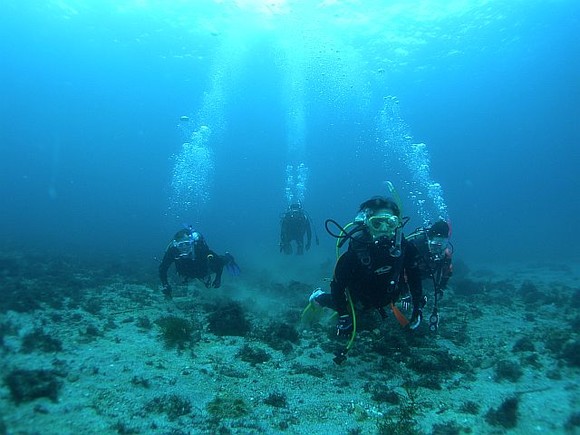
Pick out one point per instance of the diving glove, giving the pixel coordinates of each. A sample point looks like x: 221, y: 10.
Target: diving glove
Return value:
x: 315, y: 294
x: 417, y: 315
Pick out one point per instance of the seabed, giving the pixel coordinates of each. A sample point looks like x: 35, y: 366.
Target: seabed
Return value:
x: 93, y: 348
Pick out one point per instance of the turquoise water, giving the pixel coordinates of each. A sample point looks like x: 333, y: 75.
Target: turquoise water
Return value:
x: 121, y: 121
x: 100, y: 97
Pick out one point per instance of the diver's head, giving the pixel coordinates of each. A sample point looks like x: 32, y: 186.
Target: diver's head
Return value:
x: 381, y: 216
x: 184, y: 241
x: 439, y: 229
x: 438, y: 237
x: 295, y: 206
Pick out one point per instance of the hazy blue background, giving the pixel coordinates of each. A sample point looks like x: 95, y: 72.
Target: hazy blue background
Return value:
x: 92, y: 93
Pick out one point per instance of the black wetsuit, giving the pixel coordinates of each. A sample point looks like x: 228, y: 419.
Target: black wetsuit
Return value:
x: 295, y: 224
x: 374, y: 278
x: 438, y: 269
x: 202, y: 265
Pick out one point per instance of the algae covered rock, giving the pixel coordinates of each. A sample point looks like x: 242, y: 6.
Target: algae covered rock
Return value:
x: 173, y: 405
x: 27, y: 385
x: 229, y: 318
x: 176, y: 331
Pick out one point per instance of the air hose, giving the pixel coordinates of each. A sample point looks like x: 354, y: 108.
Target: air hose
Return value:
x: 341, y: 354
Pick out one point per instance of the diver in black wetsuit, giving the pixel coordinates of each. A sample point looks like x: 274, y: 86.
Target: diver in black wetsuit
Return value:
x: 295, y: 224
x: 193, y: 259
x: 435, y: 253
x: 378, y: 267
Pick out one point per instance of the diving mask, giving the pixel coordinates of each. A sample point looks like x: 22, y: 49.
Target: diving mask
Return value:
x: 437, y: 245
x: 184, y: 247
x: 383, y: 224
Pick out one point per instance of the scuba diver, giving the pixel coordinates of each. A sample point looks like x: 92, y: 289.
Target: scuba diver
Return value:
x: 193, y: 259
x: 295, y: 224
x: 435, y: 253
x: 378, y: 267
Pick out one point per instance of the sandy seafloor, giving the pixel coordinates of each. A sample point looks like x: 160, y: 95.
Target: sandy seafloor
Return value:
x: 86, y: 338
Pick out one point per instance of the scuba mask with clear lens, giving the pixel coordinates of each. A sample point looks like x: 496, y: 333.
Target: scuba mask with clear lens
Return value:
x: 184, y: 247
x: 437, y: 245
x: 383, y: 224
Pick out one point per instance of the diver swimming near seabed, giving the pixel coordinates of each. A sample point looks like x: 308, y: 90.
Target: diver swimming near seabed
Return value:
x: 295, y: 226
x: 435, y: 252
x: 378, y: 268
x: 193, y: 259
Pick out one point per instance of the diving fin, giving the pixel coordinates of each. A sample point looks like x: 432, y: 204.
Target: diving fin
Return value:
x: 311, y: 314
x: 403, y: 321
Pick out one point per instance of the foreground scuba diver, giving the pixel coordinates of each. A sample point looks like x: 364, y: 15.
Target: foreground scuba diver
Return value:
x: 435, y: 253
x: 193, y: 259
x: 375, y: 270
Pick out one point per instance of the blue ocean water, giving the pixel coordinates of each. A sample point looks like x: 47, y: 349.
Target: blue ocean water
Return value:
x: 99, y: 98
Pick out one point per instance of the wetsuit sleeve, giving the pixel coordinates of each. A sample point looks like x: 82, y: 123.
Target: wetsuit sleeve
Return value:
x: 413, y: 273
x: 168, y: 259
x: 447, y: 270
x: 340, y: 280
